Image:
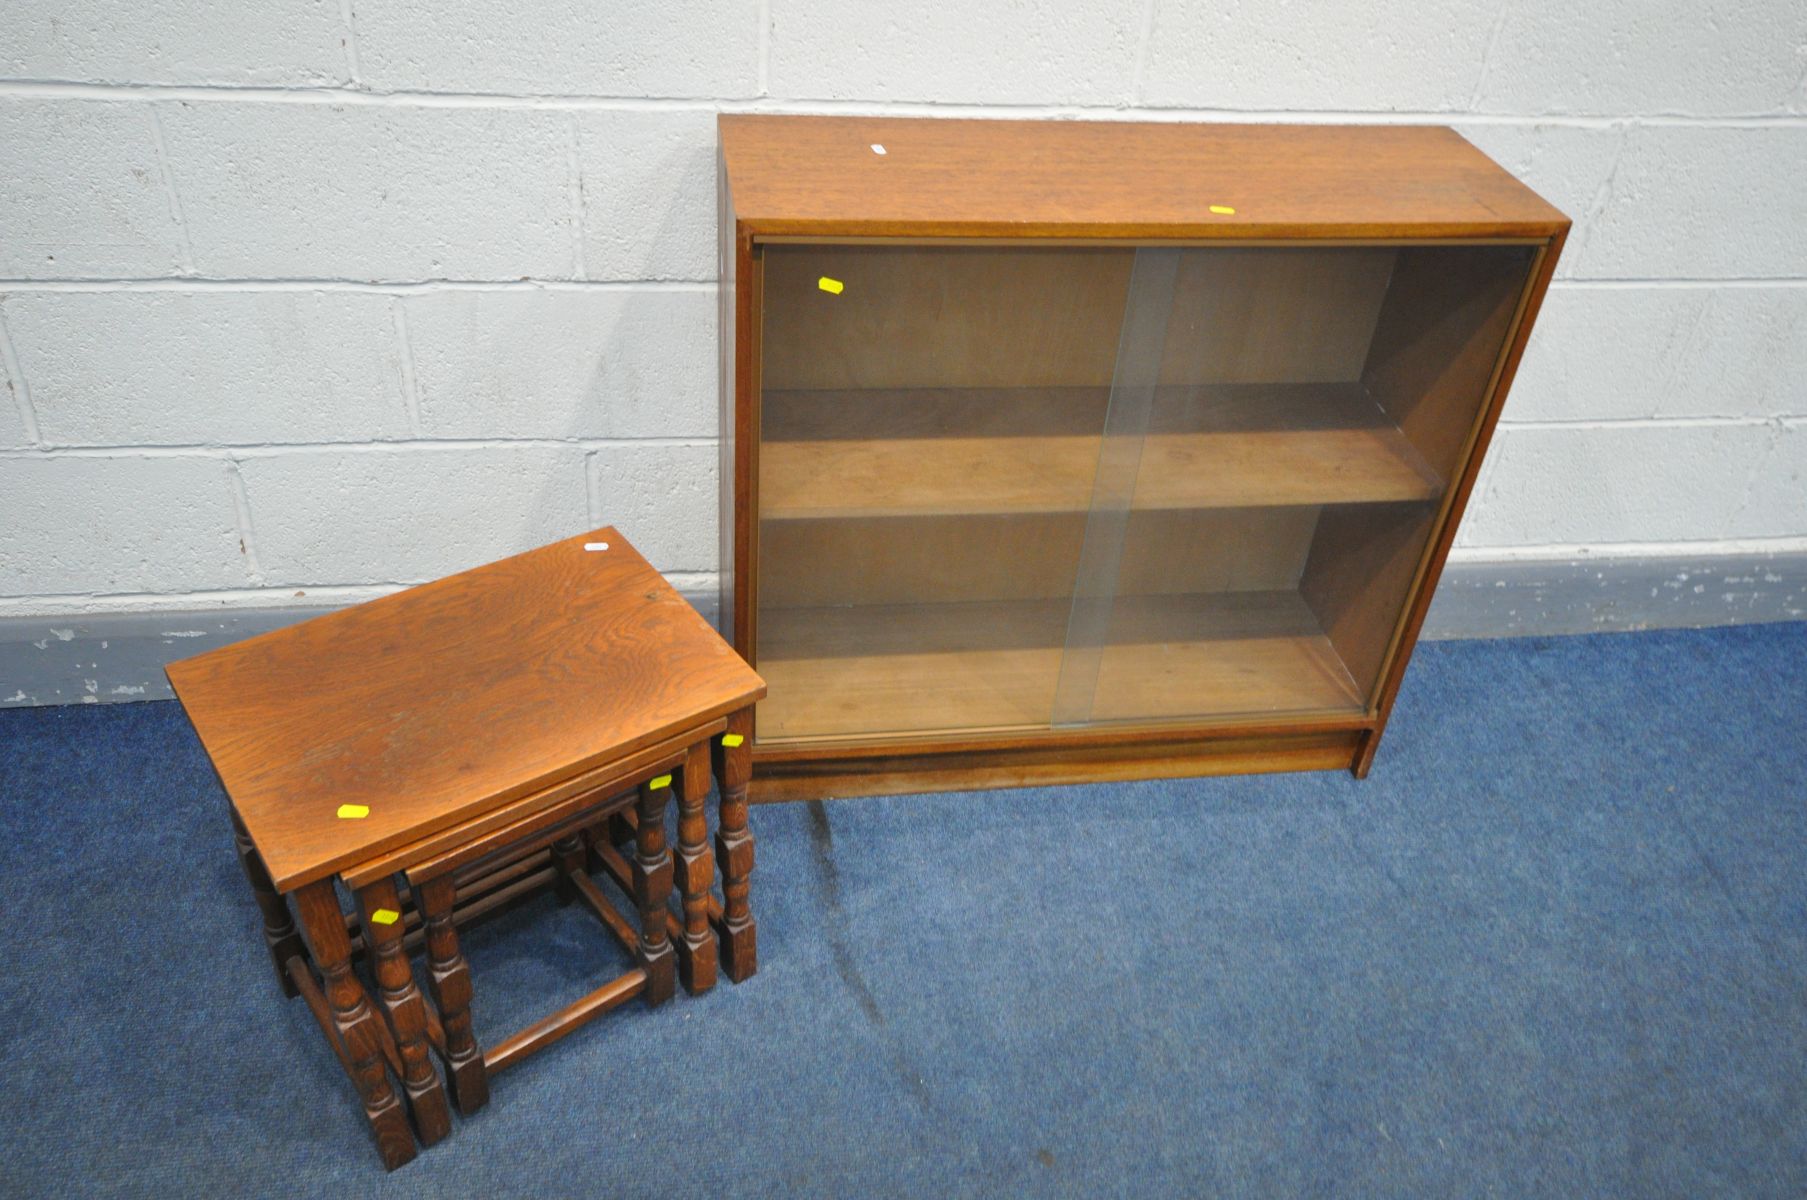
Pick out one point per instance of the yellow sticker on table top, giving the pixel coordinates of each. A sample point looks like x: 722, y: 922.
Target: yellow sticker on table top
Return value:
x: 385, y: 916
x: 1223, y: 210
x: 661, y: 782
x: 732, y: 740
x: 353, y: 812
x: 831, y: 286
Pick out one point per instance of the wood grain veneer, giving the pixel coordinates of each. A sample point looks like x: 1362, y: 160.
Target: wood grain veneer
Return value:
x: 565, y: 674
x: 818, y: 176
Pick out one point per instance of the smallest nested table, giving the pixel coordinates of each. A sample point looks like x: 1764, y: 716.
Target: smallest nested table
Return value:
x: 441, y: 750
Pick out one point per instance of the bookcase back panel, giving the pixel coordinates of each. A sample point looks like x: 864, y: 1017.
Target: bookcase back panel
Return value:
x: 951, y: 317
x: 960, y: 559
x: 940, y: 317
x: 1283, y: 315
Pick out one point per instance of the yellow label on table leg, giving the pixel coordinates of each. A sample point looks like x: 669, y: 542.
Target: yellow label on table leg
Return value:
x: 353, y: 812
x: 732, y: 740
x: 385, y: 916
x: 831, y: 286
x: 661, y: 782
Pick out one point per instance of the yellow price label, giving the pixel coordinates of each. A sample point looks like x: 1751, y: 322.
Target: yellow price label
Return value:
x: 353, y: 812
x: 662, y: 781
x: 732, y: 740
x: 831, y: 286
x: 385, y: 916
x: 1223, y: 210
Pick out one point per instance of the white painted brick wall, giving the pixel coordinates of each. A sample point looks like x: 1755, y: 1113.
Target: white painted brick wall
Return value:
x: 564, y: 364
x: 382, y: 290
x: 82, y: 191
x: 1550, y: 486
x: 176, y: 41
x: 688, y: 48
x: 974, y: 52
x: 1704, y: 203
x: 1636, y: 352
x: 1778, y: 489
x: 1384, y: 55
x: 329, y: 517
x: 664, y: 498
x: 327, y: 192
x: 646, y: 188
x: 13, y: 433
x: 117, y: 525
x: 197, y: 368
x: 1630, y: 57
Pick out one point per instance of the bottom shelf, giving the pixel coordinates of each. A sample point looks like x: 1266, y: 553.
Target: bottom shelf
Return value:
x: 874, y: 670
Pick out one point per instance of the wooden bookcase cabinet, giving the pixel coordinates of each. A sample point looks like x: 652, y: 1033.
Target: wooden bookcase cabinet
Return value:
x: 1057, y: 451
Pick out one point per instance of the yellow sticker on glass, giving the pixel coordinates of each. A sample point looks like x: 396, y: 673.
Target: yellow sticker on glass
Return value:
x: 353, y: 812
x: 662, y: 781
x: 831, y: 286
x: 1223, y: 210
x: 732, y: 740
x: 385, y: 916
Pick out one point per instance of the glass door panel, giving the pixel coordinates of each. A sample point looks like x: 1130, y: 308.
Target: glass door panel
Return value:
x: 1010, y: 489
x: 930, y: 427
x: 1312, y: 408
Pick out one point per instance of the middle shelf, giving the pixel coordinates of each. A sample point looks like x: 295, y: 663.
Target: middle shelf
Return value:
x: 928, y: 452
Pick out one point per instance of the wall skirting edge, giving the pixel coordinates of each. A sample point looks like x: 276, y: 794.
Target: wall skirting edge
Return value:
x: 113, y: 657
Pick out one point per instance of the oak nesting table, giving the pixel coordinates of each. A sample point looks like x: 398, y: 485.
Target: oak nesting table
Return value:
x: 448, y: 749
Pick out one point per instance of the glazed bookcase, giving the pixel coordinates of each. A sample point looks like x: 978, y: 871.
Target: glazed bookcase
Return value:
x: 1059, y: 451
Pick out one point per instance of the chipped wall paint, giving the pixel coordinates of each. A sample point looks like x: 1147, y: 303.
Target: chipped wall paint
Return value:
x: 112, y: 658
x: 1616, y: 595
x: 117, y: 657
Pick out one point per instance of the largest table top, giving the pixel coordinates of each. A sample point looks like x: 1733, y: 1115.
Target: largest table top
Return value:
x: 448, y: 700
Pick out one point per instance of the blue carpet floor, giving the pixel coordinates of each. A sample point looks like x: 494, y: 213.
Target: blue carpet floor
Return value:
x: 1556, y: 945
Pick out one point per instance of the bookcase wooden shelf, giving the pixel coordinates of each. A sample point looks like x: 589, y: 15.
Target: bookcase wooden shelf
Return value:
x: 924, y: 452
x: 1060, y: 451
x: 995, y: 666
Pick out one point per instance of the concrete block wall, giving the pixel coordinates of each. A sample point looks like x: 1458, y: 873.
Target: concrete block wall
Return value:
x: 302, y: 300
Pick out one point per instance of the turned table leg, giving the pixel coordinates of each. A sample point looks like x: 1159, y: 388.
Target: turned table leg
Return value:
x: 449, y: 979
x: 572, y: 858
x: 359, y: 1028
x: 734, y: 848
x: 652, y: 891
x: 380, y: 908
x: 279, y: 926
x: 696, y: 872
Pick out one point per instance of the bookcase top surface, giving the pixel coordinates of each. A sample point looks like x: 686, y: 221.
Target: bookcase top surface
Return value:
x: 822, y: 176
